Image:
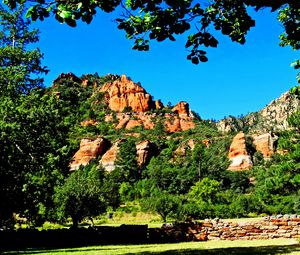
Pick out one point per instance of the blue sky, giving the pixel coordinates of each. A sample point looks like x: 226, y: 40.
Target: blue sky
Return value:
x: 236, y: 79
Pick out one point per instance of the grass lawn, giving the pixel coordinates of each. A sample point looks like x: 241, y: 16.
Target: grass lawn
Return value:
x: 270, y: 247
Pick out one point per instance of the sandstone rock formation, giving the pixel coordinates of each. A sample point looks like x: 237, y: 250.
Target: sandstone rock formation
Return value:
x: 131, y: 120
x: 176, y: 124
x: 275, y: 115
x: 123, y: 93
x: 238, y: 155
x: 173, y: 123
x: 145, y: 150
x: 158, y: 104
x: 89, y: 149
x: 182, y: 109
x: 109, y: 158
x: 264, y: 143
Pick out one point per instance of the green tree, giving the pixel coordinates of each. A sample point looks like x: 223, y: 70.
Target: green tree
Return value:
x: 126, y: 163
x: 20, y: 66
x: 81, y: 195
x: 119, y: 184
x: 277, y: 182
x: 204, y: 190
x: 163, y: 203
x: 19, y: 74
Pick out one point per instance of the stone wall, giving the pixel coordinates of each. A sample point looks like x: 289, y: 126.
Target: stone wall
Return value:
x: 267, y: 228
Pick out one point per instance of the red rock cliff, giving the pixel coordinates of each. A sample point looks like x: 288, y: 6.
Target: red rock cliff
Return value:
x: 265, y: 144
x: 238, y: 155
x: 124, y: 93
x: 89, y: 149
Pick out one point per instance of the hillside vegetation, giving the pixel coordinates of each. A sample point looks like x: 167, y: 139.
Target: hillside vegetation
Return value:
x: 96, y: 144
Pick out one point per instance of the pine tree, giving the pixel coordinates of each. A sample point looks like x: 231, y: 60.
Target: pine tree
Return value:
x: 20, y: 68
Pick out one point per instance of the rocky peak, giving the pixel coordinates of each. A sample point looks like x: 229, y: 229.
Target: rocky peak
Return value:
x: 182, y: 109
x: 158, y: 104
x: 238, y: 155
x: 124, y: 93
x: 67, y: 76
x: 273, y: 117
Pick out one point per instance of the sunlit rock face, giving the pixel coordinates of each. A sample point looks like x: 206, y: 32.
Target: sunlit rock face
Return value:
x: 124, y: 93
x: 89, y: 149
x: 145, y: 150
x: 275, y: 115
x: 182, y: 109
x: 264, y: 143
x: 158, y: 104
x: 238, y: 155
x: 108, y: 160
x: 272, y: 118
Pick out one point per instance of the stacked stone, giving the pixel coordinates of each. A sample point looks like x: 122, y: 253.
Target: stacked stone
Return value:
x: 281, y: 226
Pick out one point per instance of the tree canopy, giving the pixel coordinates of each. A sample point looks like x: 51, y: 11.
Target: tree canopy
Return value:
x: 160, y: 20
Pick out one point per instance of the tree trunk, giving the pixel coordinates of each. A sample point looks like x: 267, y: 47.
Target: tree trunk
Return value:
x: 75, y: 221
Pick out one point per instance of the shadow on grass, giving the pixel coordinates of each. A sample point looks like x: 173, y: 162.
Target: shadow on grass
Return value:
x: 262, y: 250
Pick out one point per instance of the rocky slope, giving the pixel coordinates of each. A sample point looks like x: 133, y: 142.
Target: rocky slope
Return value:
x: 132, y: 112
x: 272, y: 118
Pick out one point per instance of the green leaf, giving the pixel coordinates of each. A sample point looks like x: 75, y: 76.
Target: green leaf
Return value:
x: 65, y: 14
x: 195, y: 60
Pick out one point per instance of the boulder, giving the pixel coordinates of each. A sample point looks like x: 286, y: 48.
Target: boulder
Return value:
x: 89, y: 149
x: 238, y: 155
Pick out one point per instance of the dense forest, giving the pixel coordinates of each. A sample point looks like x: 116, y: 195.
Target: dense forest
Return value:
x: 186, y: 177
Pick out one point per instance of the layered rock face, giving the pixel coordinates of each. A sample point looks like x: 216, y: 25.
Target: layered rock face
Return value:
x: 238, y: 155
x: 109, y: 158
x: 175, y: 124
x: 275, y: 115
x: 182, y: 109
x: 265, y: 144
x: 124, y: 93
x: 144, y: 150
x: 89, y: 149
